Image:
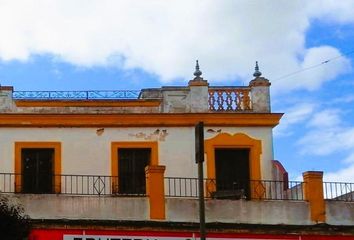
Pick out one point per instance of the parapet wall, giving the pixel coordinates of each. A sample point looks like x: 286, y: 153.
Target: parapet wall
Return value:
x: 197, y: 97
x: 240, y: 211
x: 340, y: 213
x: 180, y: 210
x: 46, y: 206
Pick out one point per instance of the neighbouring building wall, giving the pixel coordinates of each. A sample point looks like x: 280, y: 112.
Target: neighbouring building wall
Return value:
x: 88, y: 150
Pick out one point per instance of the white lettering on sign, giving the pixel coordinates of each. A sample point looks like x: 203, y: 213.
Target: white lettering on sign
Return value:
x: 103, y: 237
x: 95, y: 237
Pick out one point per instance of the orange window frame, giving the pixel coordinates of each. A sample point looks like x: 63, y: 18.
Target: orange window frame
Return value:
x: 238, y: 140
x: 57, y: 162
x: 115, y: 146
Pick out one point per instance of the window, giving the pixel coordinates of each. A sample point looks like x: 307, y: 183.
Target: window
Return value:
x: 232, y: 172
x: 132, y: 163
x: 129, y: 160
x: 37, y: 170
x: 236, y: 146
x: 38, y: 167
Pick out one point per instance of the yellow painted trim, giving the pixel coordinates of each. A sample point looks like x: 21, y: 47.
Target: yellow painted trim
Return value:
x: 238, y: 140
x: 57, y: 161
x: 155, y: 190
x: 154, y: 161
x: 133, y: 120
x: 313, y: 192
x: 88, y: 103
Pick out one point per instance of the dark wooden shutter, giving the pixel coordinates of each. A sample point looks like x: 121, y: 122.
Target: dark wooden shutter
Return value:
x: 131, y: 166
x: 37, y: 170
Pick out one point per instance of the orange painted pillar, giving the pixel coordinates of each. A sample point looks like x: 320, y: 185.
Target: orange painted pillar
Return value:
x: 155, y: 190
x: 313, y: 192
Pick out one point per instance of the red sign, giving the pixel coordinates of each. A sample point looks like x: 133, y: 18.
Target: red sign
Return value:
x: 72, y: 234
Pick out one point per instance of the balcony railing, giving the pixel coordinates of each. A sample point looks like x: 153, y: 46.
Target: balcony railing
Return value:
x: 178, y: 187
x: 71, y: 185
x: 252, y: 189
x: 338, y: 191
x: 229, y: 99
x: 76, y: 95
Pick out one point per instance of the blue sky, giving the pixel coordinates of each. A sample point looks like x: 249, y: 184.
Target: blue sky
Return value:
x: 106, y: 45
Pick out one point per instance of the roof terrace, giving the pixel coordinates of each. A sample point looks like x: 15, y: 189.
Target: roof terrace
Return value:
x: 196, y: 97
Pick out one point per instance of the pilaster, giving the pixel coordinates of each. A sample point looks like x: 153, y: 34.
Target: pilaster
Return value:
x: 313, y: 193
x: 6, y: 103
x: 260, y: 94
x: 155, y: 191
x: 199, y: 95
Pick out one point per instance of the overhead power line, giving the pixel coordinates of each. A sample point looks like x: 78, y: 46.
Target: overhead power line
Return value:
x: 314, y: 66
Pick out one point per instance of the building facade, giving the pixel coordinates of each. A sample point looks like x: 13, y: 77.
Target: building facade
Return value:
x: 121, y: 165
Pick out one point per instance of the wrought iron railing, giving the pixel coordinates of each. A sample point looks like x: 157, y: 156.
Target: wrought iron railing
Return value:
x: 181, y: 187
x: 71, y: 185
x: 252, y: 189
x: 7, y: 182
x: 174, y: 187
x: 87, y: 185
x: 76, y: 95
x: 338, y: 191
x: 229, y: 99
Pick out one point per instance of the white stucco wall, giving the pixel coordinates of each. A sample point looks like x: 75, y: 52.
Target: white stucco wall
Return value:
x: 52, y: 206
x: 240, y: 211
x: 340, y: 213
x: 86, y: 152
x: 44, y: 206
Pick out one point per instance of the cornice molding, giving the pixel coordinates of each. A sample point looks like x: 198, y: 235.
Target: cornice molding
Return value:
x: 140, y: 120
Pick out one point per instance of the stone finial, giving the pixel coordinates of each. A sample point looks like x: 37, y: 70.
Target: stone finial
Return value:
x: 258, y: 80
x: 257, y: 73
x: 260, y: 92
x: 197, y: 72
x: 198, y: 80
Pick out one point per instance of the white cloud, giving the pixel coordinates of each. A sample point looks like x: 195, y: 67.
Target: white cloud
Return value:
x: 343, y: 175
x: 312, y: 78
x: 294, y: 115
x: 344, y: 99
x: 332, y: 10
x: 327, y: 134
x: 165, y: 37
x: 350, y: 159
x: 327, y: 140
x: 299, y: 113
x: 326, y: 118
